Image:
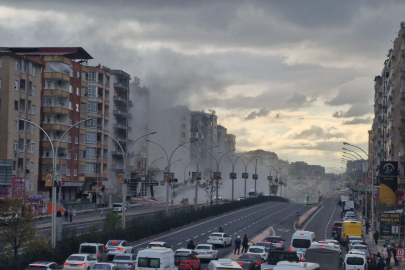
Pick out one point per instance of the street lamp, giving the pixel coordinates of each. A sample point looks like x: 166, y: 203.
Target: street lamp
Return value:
x: 233, y: 170
x: 198, y: 164
x: 218, y: 172
x: 150, y: 186
x: 55, y: 181
x: 246, y: 165
x: 168, y: 169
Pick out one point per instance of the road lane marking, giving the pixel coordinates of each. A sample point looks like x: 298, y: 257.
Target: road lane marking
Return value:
x: 312, y: 218
x: 195, y: 236
x: 188, y: 240
x: 179, y: 243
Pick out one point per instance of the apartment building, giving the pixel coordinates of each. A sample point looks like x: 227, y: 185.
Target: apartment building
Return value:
x: 63, y: 82
x: 20, y: 87
x: 301, y: 171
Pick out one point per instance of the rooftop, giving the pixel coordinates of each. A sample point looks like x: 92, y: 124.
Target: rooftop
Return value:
x: 69, y: 52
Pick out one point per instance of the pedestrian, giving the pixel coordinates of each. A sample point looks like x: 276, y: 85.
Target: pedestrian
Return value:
x: 237, y: 244
x: 66, y: 216
x: 380, y: 265
x: 71, y: 215
x: 376, y: 235
x: 394, y: 254
x: 367, y: 225
x: 245, y: 243
x: 400, y: 245
x: 388, y: 256
x: 220, y: 229
x: 59, y: 213
x: 191, y: 245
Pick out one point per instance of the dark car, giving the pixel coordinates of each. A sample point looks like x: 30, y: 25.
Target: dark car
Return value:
x: 255, y: 259
x: 276, y: 256
x: 246, y: 265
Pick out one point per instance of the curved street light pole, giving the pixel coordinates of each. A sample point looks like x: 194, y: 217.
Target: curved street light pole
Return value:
x: 217, y: 183
x: 233, y: 171
x: 246, y: 165
x: 184, y: 175
x: 196, y: 182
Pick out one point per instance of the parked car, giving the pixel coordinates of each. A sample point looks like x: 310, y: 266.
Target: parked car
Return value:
x: 79, y: 262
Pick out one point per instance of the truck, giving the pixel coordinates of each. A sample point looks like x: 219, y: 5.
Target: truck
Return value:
x: 252, y: 193
x: 276, y: 256
x: 343, y: 198
x: 326, y: 255
x: 351, y: 228
x: 348, y: 205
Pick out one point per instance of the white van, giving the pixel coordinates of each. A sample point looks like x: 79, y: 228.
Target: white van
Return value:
x: 301, y: 240
x: 354, y: 262
x: 223, y: 264
x: 284, y: 265
x: 155, y: 258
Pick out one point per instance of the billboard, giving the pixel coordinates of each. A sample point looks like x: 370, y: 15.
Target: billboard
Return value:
x: 388, y: 182
x: 389, y: 223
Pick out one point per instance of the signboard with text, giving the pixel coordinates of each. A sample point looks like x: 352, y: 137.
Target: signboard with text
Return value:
x: 389, y: 223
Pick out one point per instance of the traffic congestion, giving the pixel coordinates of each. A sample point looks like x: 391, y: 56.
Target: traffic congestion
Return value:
x: 242, y: 240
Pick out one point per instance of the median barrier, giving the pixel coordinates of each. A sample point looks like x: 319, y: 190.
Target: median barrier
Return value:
x: 304, y: 217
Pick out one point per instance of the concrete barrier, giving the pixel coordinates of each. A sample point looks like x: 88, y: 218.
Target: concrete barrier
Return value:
x: 304, y: 217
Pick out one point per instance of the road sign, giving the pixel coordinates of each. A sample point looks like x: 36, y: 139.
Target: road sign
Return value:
x: 57, y: 178
x: 401, y: 253
x: 120, y: 177
x: 162, y: 183
x: 48, y: 179
x: 165, y: 177
x: 127, y: 177
x: 214, y: 175
x: 63, y: 181
x: 255, y: 176
x: 269, y: 178
x: 297, y: 214
x: 154, y: 183
x: 245, y: 175
x: 297, y: 218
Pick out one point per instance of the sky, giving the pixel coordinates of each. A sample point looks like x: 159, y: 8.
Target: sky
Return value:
x: 292, y: 77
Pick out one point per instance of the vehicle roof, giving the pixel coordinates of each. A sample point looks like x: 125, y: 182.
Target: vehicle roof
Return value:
x: 184, y: 249
x: 226, y: 263
x: 157, y: 242
x: 205, y: 245
x: 116, y: 240
x: 42, y: 263
x: 256, y: 246
x: 79, y: 254
x: 275, y: 236
x: 354, y: 255
x: 85, y: 243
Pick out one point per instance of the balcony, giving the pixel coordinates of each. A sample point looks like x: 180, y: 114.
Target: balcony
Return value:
x: 119, y: 126
x: 120, y: 99
x: 56, y: 92
x: 56, y: 126
x: 57, y: 75
x: 58, y: 108
x: 121, y: 139
x: 120, y: 86
x: 117, y: 167
x: 120, y: 113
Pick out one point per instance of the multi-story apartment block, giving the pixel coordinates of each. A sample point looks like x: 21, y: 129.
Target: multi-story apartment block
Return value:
x: 63, y: 83
x: 230, y: 142
x: 266, y: 157
x: 20, y: 87
x: 119, y: 82
x: 301, y: 171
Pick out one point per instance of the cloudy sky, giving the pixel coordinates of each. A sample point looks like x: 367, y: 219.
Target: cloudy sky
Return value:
x: 293, y: 77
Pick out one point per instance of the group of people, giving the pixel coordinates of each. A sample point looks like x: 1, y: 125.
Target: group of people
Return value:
x: 381, y: 261
x: 67, y: 215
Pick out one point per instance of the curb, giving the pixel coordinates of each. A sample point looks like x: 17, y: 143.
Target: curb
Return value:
x: 307, y: 215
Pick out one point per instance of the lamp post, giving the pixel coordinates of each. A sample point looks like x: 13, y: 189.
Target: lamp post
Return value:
x: 233, y: 170
x: 150, y: 186
x: 218, y: 173
x: 172, y: 184
x: 55, y: 182
x: 246, y: 165
x: 168, y: 169
x: 198, y: 164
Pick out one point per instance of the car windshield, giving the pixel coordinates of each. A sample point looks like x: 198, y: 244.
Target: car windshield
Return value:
x: 256, y: 250
x: 354, y: 261
x: 88, y: 249
x: 273, y: 240
x: 181, y: 253
x: 101, y: 267
x: 202, y: 247
x: 248, y: 257
x: 113, y: 243
x: 122, y: 258
x: 216, y: 234
x: 76, y: 258
x: 359, y: 247
x: 301, y: 243
x: 180, y: 258
x: 264, y: 244
x: 339, y: 224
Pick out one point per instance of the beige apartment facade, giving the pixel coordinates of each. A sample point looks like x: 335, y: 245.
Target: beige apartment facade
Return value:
x: 20, y: 97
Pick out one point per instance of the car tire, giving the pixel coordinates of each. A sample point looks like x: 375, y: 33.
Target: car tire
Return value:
x: 224, y: 244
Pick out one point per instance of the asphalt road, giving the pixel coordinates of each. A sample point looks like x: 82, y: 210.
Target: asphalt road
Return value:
x: 251, y: 221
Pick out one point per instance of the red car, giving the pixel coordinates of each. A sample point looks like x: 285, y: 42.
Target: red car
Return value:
x: 337, y: 227
x: 188, y: 262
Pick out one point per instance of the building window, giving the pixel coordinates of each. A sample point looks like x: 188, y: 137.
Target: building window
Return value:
x: 23, y: 66
x: 70, y: 105
x: 16, y: 125
x: 183, y: 126
x: 32, y: 148
x: 34, y: 90
x: 77, y: 91
x: 34, y: 71
x: 78, y: 75
x: 31, y: 166
x: 16, y: 105
x: 77, y: 107
x: 70, y: 89
x: 68, y: 155
x: 183, y: 134
x: 47, y: 153
x: 1, y: 63
x: 76, y: 140
x: 70, y: 121
x: 75, y: 172
x: 67, y: 172
x: 33, y: 109
x: 16, y: 66
x: 21, y: 125
x: 15, y: 145
x: 75, y: 156
x: 16, y: 85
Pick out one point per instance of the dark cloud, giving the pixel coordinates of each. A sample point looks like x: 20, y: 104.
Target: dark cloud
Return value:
x: 316, y: 133
x: 358, y: 121
x: 296, y: 98
x: 253, y: 115
x: 354, y: 111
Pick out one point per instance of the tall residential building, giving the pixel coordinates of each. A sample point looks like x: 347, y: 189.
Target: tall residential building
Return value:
x: 301, y: 171
x: 119, y: 111
x: 63, y: 81
x: 20, y: 87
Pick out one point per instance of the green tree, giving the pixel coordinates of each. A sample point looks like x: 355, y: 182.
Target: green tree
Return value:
x: 18, y: 224
x: 112, y: 219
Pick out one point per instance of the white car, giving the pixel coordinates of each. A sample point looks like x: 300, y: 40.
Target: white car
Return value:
x: 103, y: 266
x: 185, y: 251
x: 258, y: 250
x: 43, y: 266
x: 350, y: 215
x: 360, y: 248
x: 354, y: 261
x: 220, y: 239
x: 206, y: 251
x: 117, y: 247
x: 79, y: 262
x: 157, y: 244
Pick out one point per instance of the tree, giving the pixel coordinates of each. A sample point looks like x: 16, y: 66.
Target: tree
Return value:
x: 210, y: 187
x: 18, y: 225
x: 112, y: 219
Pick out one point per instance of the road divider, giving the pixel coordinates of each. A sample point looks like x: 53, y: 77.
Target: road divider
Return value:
x: 304, y: 217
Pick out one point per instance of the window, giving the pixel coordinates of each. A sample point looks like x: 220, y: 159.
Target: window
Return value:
x: 77, y: 91
x: 30, y: 68
x: 16, y: 85
x: 16, y: 105
x: 70, y: 121
x: 183, y: 134
x: 33, y: 109
x: 69, y: 139
x: 183, y: 126
x: 75, y: 156
x: 70, y: 105
x: 77, y: 107
x: 23, y: 66
x: 67, y: 172
x: 34, y: 90
x: 32, y: 148
x: 78, y: 75
x: 76, y: 140
x: 47, y: 153
x: 68, y: 155
x: 15, y: 145
x: 48, y: 119
x: 75, y: 172
x: 16, y: 125
x: 31, y: 166
x: 16, y: 66
x: 34, y: 71
x: 92, y: 76
x: 21, y: 125
x: 1, y: 63
x: 70, y: 89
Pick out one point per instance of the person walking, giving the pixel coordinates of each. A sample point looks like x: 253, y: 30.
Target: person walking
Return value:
x: 245, y: 243
x: 394, y: 254
x: 367, y: 225
x: 380, y: 265
x: 59, y: 213
x: 220, y: 229
x: 191, y: 245
x: 237, y: 244
x: 71, y: 215
x: 376, y: 235
x: 66, y: 214
x: 387, y: 256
